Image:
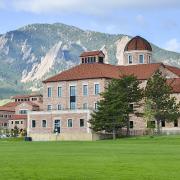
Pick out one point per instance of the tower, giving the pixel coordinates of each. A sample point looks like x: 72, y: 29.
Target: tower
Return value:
x: 137, y: 51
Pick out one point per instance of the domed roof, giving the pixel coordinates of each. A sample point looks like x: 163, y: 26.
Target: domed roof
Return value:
x: 138, y: 43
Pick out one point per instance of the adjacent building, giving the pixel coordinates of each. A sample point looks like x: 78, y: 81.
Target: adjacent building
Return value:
x: 71, y: 96
x: 15, y: 113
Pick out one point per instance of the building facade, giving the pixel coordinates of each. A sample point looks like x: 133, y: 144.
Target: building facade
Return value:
x: 70, y: 97
x: 15, y: 113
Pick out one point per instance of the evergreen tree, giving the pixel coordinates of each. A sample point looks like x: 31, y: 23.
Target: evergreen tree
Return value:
x: 114, y: 107
x: 164, y: 107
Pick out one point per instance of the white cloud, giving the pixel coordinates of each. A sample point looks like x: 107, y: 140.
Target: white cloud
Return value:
x: 88, y: 6
x: 173, y: 45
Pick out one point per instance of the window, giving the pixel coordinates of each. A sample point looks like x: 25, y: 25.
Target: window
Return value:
x: 44, y: 123
x: 94, y: 59
x: 101, y: 59
x: 81, y: 122
x: 141, y: 58
x: 95, y: 106
x: 23, y: 111
x: 131, y: 107
x: 85, y: 90
x: 151, y: 124
x: 91, y: 59
x: 176, y: 123
x: 59, y: 91
x: 85, y: 106
x: 72, y: 90
x: 163, y: 123
x: 72, y: 97
x: 149, y: 59
x: 12, y: 122
x: 72, y: 105
x: 82, y: 60
x: 69, y: 123
x: 59, y: 107
x: 57, y: 126
x: 96, y: 89
x: 49, y: 107
x: 88, y: 59
x: 21, y: 122
x: 131, y: 124
x: 33, y: 124
x: 33, y: 99
x: 130, y: 60
x: 16, y: 122
x: 49, y: 91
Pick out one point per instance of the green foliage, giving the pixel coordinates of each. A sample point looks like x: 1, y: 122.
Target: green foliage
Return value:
x: 162, y: 105
x: 114, y: 107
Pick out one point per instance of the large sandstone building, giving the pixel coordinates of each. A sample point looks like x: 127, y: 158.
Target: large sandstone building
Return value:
x: 70, y: 97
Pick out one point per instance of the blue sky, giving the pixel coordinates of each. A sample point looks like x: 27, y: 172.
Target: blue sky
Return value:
x: 155, y: 20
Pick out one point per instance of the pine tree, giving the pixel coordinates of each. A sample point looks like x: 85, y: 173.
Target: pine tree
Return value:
x: 164, y: 107
x: 114, y: 107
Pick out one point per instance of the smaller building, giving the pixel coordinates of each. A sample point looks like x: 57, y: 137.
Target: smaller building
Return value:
x: 18, y: 120
x: 14, y: 114
x: 5, y: 114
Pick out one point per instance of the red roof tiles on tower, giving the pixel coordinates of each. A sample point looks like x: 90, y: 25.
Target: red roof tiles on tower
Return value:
x: 138, y: 43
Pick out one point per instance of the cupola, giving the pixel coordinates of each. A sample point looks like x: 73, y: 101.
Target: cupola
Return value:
x: 92, y: 57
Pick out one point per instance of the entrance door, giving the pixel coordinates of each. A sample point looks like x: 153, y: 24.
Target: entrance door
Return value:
x: 57, y: 126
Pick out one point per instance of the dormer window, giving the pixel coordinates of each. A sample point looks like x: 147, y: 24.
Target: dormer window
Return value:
x: 130, y: 60
x: 92, y: 57
x: 141, y: 58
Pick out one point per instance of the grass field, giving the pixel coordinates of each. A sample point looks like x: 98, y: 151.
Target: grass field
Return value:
x: 131, y: 158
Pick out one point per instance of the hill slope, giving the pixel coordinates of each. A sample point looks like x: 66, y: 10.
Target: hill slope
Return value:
x: 34, y: 52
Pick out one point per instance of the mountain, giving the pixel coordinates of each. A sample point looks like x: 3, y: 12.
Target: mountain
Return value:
x: 32, y: 53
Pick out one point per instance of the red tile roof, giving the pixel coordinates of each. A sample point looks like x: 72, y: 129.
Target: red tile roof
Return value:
x: 2, y: 108
x: 18, y: 116
x: 138, y: 43
x: 12, y: 105
x: 175, y: 84
x: 91, y: 53
x: 98, y: 70
x: 141, y: 71
x: 173, y: 69
x: 26, y: 96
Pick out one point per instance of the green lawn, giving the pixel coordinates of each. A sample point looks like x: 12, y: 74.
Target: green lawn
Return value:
x: 132, y: 158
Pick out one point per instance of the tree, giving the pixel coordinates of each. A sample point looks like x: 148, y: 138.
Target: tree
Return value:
x: 114, y: 107
x: 149, y: 115
x: 164, y: 107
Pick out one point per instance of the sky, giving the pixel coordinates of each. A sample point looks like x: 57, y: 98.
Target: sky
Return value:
x: 156, y: 20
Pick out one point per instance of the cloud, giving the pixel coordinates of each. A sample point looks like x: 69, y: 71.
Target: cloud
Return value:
x: 89, y: 6
x: 173, y: 45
